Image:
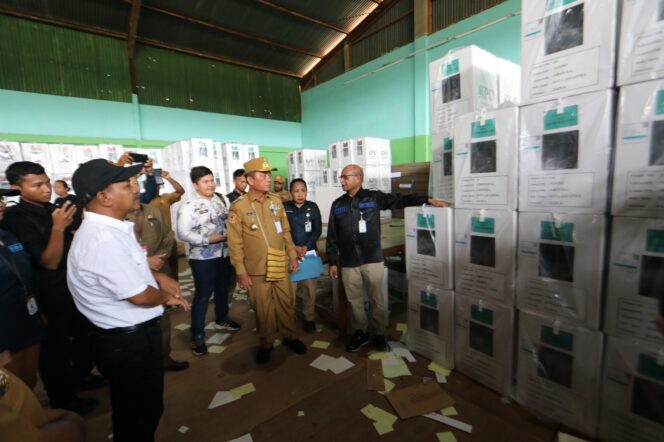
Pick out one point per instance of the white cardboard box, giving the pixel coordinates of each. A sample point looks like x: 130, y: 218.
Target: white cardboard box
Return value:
x: 509, y: 82
x: 429, y: 252
x: 334, y: 155
x: 111, y: 152
x: 293, y: 168
x: 567, y: 47
x: 484, y: 335
x: 85, y: 153
x: 203, y: 153
x: 558, y: 374
x: 347, y: 152
x: 251, y: 151
x: 636, y: 278
x: 486, y: 159
x: 560, y: 265
x: 313, y: 179
x: 63, y: 158
x: 641, y: 52
x: 311, y: 160
x: 462, y: 81
x: 632, y: 392
x: 233, y: 156
x: 325, y: 196
x: 565, y: 154
x: 441, y: 175
x: 485, y: 254
x: 38, y: 153
x: 431, y: 322
x: 373, y: 152
x: 10, y: 152
x: 638, y: 182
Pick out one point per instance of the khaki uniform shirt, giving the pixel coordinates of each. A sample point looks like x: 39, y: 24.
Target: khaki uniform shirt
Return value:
x: 21, y: 414
x: 164, y: 203
x: 152, y: 232
x: 247, y: 247
x: 285, y: 195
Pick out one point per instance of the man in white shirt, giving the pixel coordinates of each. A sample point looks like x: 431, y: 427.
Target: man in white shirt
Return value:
x: 113, y: 286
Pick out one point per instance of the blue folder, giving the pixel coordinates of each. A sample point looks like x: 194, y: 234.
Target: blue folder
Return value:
x: 310, y: 267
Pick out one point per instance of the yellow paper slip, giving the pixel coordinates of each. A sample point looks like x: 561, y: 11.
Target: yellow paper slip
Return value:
x: 320, y: 344
x: 402, y: 327
x: 379, y: 355
x: 438, y: 369
x: 182, y: 326
x: 382, y: 428
x: 449, y: 411
x: 395, y: 367
x: 216, y: 349
x: 389, y: 386
x: 300, y: 413
x: 377, y: 414
x: 240, y: 391
x: 446, y: 436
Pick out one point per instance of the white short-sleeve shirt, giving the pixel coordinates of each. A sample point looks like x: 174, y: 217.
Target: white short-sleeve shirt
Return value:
x: 105, y: 266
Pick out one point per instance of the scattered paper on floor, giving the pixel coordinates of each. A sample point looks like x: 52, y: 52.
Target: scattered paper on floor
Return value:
x: 245, y: 438
x: 340, y: 365
x: 377, y: 414
x: 320, y: 344
x: 446, y: 436
x: 216, y: 349
x: 242, y: 390
x: 564, y: 437
x: 389, y: 386
x: 300, y: 413
x: 182, y: 326
x: 222, y: 398
x: 183, y: 429
x: 403, y: 352
x: 210, y: 325
x: 218, y: 338
x: 383, y: 428
x: 336, y: 365
x: 441, y: 379
x: 435, y: 367
x: 451, y: 422
x: 402, y: 327
x: 449, y: 411
x: 379, y: 355
x: 395, y: 367
x: 322, y: 362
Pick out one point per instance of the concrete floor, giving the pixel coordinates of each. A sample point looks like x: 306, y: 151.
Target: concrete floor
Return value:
x: 287, y: 385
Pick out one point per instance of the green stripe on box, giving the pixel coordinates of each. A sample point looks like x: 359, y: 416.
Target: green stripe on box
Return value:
x: 655, y: 241
x: 477, y: 130
x: 562, y: 340
x: 485, y: 316
x: 448, y: 144
x: 648, y: 366
x: 430, y: 299
x: 426, y: 221
x: 549, y: 231
x: 659, y: 108
x: 487, y: 226
x: 553, y: 4
x: 568, y: 117
x: 451, y: 68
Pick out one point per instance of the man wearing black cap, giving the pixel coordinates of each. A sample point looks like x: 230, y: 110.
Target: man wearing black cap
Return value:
x: 113, y: 286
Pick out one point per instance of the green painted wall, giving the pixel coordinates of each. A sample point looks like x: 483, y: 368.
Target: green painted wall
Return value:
x: 389, y: 97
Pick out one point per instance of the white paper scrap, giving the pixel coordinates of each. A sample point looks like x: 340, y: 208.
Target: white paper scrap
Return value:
x: 222, y: 398
x: 218, y: 338
x: 403, y: 352
x: 323, y: 362
x: 245, y: 438
x: 449, y: 421
x: 441, y: 379
x: 183, y: 429
x: 340, y: 365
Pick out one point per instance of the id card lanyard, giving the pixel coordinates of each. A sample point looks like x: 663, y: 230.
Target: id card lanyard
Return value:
x: 362, y: 224
x: 277, y: 223
x: 307, y: 224
x: 30, y: 301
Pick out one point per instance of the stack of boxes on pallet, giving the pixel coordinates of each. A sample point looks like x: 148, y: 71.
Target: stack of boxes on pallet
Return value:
x: 309, y: 165
x: 633, y: 378
x: 566, y: 127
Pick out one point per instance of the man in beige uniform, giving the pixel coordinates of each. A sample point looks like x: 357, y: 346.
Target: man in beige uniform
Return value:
x: 257, y: 221
x: 279, y: 189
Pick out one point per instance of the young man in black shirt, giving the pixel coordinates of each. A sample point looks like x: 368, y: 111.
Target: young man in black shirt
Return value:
x: 45, y: 232
x: 240, y: 185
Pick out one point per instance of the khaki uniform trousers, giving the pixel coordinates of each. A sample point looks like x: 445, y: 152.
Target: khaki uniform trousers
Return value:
x: 371, y: 277
x: 308, y: 297
x: 275, y: 312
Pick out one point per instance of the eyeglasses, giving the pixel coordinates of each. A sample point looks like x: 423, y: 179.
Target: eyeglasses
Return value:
x: 345, y: 177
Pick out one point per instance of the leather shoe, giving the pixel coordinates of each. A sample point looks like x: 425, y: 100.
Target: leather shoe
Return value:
x: 174, y: 365
x: 263, y: 355
x: 296, y: 345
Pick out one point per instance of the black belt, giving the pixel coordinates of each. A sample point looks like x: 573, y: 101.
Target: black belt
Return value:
x: 128, y: 329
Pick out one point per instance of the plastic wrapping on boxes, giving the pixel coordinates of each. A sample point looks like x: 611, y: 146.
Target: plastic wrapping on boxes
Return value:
x: 111, y: 152
x: 311, y: 160
x: 38, y: 153
x: 251, y: 151
x: 560, y: 262
x: 485, y: 159
x: 484, y: 335
x: 484, y: 254
x: 372, y: 152
x: 347, y: 153
x: 293, y: 168
x: 558, y: 374
x: 636, y: 278
x: 441, y: 176
x: 63, y: 158
x: 85, y: 153
x: 202, y: 153
x: 567, y: 47
x: 431, y: 322
x: 632, y: 392
x: 233, y: 156
x: 638, y: 181
x: 565, y: 154
x: 509, y: 82
x: 641, y: 52
x: 334, y: 155
x: 10, y: 152
x: 429, y: 252
x: 462, y: 81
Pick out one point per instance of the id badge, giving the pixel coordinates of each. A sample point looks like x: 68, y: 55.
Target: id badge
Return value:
x: 31, y: 303
x: 277, y: 225
x: 307, y: 226
x: 144, y: 247
x: 362, y: 226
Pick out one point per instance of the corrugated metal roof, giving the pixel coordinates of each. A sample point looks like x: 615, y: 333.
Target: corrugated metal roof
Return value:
x: 341, y: 14
x: 447, y: 12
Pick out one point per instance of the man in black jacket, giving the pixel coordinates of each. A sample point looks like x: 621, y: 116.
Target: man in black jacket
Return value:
x: 353, y: 242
